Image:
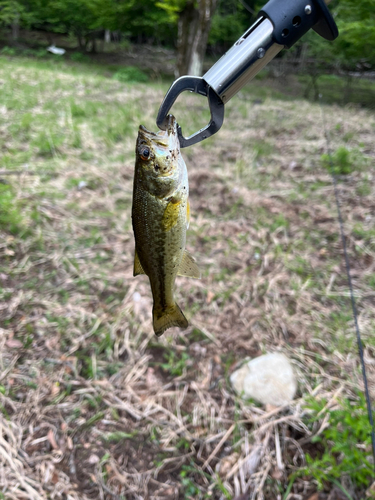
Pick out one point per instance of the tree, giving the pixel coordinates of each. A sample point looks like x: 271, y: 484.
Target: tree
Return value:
x: 194, y: 22
x: 230, y: 21
x: 354, y: 49
x: 193, y: 29
x: 14, y: 13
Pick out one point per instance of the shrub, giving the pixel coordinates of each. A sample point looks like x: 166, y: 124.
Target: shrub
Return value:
x: 130, y: 74
x: 79, y: 57
x: 341, y: 161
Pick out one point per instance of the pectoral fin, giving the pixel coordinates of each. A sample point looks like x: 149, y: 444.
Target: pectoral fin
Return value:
x: 138, y: 269
x: 188, y: 267
x: 170, y: 215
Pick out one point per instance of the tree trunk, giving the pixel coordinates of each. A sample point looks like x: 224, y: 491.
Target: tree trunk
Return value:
x: 93, y: 45
x: 193, y: 29
x: 16, y: 27
x: 81, y: 43
x: 107, y: 36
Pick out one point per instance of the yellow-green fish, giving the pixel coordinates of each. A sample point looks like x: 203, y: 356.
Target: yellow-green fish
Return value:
x: 160, y: 218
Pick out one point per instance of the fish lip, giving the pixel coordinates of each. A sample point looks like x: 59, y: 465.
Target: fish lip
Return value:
x: 170, y: 130
x: 169, y: 136
x: 172, y: 125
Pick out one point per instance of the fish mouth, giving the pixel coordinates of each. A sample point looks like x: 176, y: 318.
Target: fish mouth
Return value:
x: 168, y: 137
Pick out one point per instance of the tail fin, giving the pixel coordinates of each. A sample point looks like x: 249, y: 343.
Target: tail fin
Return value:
x: 168, y: 317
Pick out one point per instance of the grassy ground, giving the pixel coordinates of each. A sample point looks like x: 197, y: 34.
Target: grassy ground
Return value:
x: 92, y: 404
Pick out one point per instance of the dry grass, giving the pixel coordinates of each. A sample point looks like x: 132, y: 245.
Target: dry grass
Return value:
x: 93, y: 405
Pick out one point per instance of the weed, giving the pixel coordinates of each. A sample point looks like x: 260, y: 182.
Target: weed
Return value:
x: 131, y: 74
x: 341, y: 163
x: 86, y: 109
x: 10, y: 214
x: 364, y: 188
x: 117, y: 436
x: 191, y: 489
x: 8, y: 51
x: 175, y: 363
x: 79, y: 57
x: 346, y: 443
x: 47, y: 143
x: 262, y: 148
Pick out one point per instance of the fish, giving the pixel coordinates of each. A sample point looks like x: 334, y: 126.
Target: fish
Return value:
x: 160, y: 218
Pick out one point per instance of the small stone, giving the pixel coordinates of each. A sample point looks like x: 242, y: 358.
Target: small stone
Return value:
x: 93, y: 459
x: 14, y: 343
x: 268, y: 379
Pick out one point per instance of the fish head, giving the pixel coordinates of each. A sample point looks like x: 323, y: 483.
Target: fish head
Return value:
x: 158, y: 158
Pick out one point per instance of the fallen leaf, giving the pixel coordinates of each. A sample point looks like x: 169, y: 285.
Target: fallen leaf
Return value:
x: 276, y: 473
x: 270, y: 407
x: 14, y: 344
x: 52, y: 440
x: 315, y: 496
x: 151, y: 379
x: 210, y: 296
x: 55, y: 389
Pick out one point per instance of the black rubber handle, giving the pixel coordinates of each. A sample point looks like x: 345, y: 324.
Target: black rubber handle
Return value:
x: 293, y: 18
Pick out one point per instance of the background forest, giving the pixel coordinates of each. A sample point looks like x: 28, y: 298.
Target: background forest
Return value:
x: 180, y: 23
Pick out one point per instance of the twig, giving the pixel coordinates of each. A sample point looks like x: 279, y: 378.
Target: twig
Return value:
x: 18, y: 172
x: 219, y: 445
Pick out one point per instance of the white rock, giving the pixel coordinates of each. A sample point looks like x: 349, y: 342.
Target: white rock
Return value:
x: 268, y: 379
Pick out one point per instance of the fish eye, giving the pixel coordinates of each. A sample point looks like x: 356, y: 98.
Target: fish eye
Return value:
x: 145, y: 154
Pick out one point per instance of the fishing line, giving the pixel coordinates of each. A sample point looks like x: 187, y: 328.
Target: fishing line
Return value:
x: 348, y: 273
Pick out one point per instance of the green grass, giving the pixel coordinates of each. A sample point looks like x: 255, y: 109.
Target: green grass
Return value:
x: 131, y: 74
x: 346, y: 443
x: 11, y: 220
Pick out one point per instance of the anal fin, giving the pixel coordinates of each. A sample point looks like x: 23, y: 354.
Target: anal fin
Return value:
x: 188, y: 267
x: 138, y: 269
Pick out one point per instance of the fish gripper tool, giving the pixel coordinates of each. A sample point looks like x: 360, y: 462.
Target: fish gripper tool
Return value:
x: 280, y: 24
